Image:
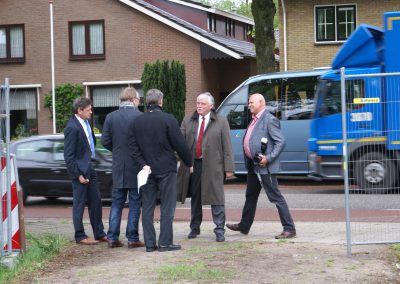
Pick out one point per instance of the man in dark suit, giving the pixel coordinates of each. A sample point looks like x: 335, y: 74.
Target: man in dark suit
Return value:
x: 115, y: 137
x: 262, y: 170
x: 79, y: 150
x: 156, y: 137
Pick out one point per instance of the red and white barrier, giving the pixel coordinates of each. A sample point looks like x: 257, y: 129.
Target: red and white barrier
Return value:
x: 16, y: 243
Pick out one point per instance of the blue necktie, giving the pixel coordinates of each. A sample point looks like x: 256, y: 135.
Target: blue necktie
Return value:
x: 89, y: 130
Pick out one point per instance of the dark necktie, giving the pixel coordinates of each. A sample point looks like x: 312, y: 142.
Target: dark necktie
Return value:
x: 89, y: 130
x: 200, y: 139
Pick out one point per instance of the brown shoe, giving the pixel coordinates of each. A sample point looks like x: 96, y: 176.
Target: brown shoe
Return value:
x: 286, y: 235
x: 137, y: 244
x: 235, y: 227
x: 103, y: 239
x: 88, y: 241
x: 115, y: 244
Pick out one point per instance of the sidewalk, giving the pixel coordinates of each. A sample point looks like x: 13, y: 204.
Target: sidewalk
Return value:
x: 316, y: 232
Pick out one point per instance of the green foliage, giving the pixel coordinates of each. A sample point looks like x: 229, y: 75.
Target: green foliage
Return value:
x: 39, y: 251
x: 65, y: 96
x: 169, y: 78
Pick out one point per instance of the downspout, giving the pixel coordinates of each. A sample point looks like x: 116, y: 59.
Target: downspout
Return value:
x: 284, y: 33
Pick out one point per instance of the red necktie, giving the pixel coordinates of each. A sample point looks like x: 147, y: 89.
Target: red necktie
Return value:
x: 200, y: 140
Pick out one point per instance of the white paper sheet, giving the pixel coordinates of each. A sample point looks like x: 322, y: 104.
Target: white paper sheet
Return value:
x: 142, y: 177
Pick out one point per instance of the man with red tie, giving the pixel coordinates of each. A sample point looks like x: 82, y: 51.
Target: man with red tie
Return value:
x: 207, y: 135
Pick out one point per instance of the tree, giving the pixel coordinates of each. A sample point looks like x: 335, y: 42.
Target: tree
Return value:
x: 65, y: 96
x: 264, y: 13
x: 170, y: 79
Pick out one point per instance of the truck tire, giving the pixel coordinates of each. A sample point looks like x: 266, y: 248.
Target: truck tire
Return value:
x: 375, y: 173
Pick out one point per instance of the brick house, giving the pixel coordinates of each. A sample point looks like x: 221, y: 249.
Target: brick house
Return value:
x: 104, y: 45
x: 315, y: 29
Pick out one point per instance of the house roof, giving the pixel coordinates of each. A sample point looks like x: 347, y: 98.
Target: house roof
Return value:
x: 227, y: 47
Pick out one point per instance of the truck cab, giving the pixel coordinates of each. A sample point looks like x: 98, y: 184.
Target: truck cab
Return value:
x: 371, y: 118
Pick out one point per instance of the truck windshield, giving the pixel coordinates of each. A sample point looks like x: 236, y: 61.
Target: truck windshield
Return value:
x: 329, y: 96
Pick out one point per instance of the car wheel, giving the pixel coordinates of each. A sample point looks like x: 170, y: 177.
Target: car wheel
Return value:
x: 375, y: 173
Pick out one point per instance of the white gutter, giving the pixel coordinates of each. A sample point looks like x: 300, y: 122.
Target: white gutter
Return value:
x: 102, y: 83
x: 284, y: 33
x: 182, y: 29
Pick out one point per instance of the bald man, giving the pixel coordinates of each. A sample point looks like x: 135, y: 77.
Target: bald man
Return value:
x: 262, y: 168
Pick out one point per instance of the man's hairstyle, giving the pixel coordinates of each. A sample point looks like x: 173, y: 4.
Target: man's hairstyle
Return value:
x: 154, y: 97
x: 81, y: 103
x: 207, y: 95
x: 128, y: 94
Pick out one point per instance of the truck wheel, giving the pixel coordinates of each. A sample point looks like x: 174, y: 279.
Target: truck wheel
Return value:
x: 375, y: 173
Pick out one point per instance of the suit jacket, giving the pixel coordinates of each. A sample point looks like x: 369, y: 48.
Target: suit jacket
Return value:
x: 267, y: 126
x: 77, y: 153
x: 115, y: 137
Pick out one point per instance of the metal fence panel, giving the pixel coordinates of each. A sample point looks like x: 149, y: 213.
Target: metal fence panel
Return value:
x: 371, y: 155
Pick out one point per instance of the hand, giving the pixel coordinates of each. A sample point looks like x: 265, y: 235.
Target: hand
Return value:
x: 191, y: 170
x: 229, y: 174
x: 83, y: 180
x: 263, y: 163
x: 147, y: 169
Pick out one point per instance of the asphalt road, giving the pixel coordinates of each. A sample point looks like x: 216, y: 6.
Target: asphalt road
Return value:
x: 308, y: 201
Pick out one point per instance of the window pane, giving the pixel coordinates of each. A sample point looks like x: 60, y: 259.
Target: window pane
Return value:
x: 17, y: 42
x: 96, y: 38
x: 271, y: 90
x: 34, y: 151
x: 298, y: 98
x: 3, y: 48
x: 325, y: 24
x: 78, y: 40
x: 346, y: 21
x: 239, y: 97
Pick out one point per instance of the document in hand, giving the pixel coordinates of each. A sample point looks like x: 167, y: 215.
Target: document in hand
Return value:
x: 142, y: 177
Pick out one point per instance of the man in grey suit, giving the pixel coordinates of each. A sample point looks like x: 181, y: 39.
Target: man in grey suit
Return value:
x: 115, y: 137
x: 263, y: 165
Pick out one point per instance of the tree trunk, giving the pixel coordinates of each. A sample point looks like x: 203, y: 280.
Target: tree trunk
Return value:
x: 264, y: 12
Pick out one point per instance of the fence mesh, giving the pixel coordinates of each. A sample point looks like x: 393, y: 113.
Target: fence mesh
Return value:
x: 372, y: 133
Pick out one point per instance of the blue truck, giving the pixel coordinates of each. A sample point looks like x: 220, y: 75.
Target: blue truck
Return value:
x: 372, y: 110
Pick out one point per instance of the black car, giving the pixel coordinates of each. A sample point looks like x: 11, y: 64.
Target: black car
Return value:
x: 42, y: 170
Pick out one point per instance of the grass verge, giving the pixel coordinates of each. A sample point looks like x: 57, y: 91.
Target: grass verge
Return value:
x: 198, y: 272
x: 39, y: 251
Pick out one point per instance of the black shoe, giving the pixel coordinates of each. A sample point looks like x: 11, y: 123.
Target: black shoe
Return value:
x: 151, y: 249
x: 169, y: 247
x: 220, y: 238
x: 193, y: 234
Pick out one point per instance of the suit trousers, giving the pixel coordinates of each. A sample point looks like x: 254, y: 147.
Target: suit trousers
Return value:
x: 165, y: 185
x: 270, y: 185
x: 87, y: 192
x: 218, y: 211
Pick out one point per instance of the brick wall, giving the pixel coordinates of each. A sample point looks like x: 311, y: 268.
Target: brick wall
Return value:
x: 131, y: 39
x: 302, y: 52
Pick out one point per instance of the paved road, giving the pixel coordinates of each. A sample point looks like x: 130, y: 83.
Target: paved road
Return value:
x: 309, y: 201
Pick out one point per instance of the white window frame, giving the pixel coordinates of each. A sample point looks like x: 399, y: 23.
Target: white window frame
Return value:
x: 335, y: 6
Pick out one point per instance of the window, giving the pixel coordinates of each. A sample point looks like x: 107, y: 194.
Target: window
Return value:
x: 37, y: 151
x: 332, y: 96
x: 271, y: 90
x: 230, y: 27
x: 87, y: 40
x: 12, y: 48
x: 235, y: 109
x: 212, y: 22
x: 298, y: 97
x: 334, y: 23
